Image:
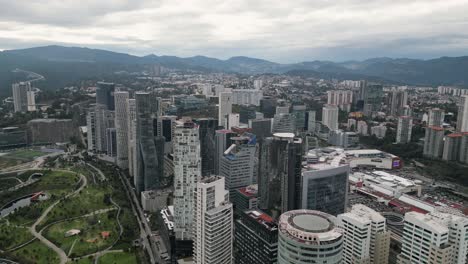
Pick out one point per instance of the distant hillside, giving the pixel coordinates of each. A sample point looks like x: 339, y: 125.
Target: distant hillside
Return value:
x: 65, y: 64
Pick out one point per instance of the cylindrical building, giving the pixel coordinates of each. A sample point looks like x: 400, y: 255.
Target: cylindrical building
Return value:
x: 307, y: 236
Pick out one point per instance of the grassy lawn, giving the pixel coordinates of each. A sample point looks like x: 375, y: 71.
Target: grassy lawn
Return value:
x: 82, y: 261
x: 90, y: 199
x: 12, y: 236
x: 118, y: 258
x: 38, y: 253
x: 89, y: 240
x: 19, y: 156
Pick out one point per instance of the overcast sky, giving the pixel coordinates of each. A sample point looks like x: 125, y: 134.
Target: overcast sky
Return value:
x: 278, y: 30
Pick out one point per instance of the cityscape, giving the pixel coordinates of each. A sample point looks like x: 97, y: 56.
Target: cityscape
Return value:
x: 116, y: 158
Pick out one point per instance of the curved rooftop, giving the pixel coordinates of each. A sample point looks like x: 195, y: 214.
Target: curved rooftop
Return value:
x: 284, y: 135
x: 309, y: 226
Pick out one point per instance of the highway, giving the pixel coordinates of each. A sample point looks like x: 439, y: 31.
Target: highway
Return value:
x: 150, y: 242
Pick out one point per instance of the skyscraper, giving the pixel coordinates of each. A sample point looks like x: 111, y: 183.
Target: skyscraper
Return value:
x: 21, y: 100
x: 404, y: 128
x: 452, y: 146
x: 187, y: 172
x: 279, y: 172
x: 434, y: 238
x: 121, y: 126
x: 397, y: 100
x: 330, y: 116
x: 366, y: 239
x: 149, y: 164
x: 165, y: 128
x: 237, y: 164
x: 256, y: 238
x: 462, y: 119
x: 436, y: 117
x: 222, y: 142
x: 207, y: 128
x: 225, y: 108
x: 284, y: 123
x: 213, y: 224
x: 105, y: 95
x: 433, y: 142
x: 132, y: 139
x: 268, y: 106
x: 261, y: 128
x: 341, y: 98
x: 310, y: 117
x: 463, y: 148
x: 104, y: 119
x: 91, y: 129
x: 324, y: 187
x: 111, y: 145
x: 307, y: 236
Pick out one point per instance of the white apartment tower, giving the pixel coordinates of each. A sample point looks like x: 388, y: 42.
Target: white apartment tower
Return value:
x: 434, y: 238
x: 225, y: 108
x: 330, y: 116
x: 23, y: 97
x: 404, y: 128
x: 187, y: 172
x: 435, y: 117
x: 366, y: 239
x: 213, y: 222
x: 462, y: 119
x: 121, y: 126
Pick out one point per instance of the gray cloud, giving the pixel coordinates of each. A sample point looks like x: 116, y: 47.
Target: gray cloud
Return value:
x: 285, y: 31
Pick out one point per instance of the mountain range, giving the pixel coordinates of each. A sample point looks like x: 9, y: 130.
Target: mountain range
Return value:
x: 67, y: 64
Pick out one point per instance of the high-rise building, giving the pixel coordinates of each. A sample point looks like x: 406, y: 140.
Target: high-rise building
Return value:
x: 463, y: 155
x: 121, y: 126
x: 404, y: 128
x: 284, y: 123
x: 434, y: 238
x: 366, y: 239
x: 310, y: 117
x: 150, y: 164
x: 330, y: 116
x: 132, y: 138
x: 111, y: 144
x: 222, y: 142
x: 258, y: 84
x: 232, y: 121
x: 187, y: 172
x: 280, y: 172
x: 22, y: 99
x: 433, y: 142
x: 299, y: 114
x: 324, y: 187
x: 245, y: 198
x: 237, y: 164
x: 462, y: 119
x: 343, y: 139
x: 362, y: 94
x: 213, y: 222
x: 352, y: 124
x: 268, y: 106
x: 261, y: 127
x: 362, y: 128
x: 207, y: 129
x: 165, y: 127
x: 256, y: 238
x: 396, y: 101
x: 246, y: 96
x: 307, y: 236
x: 341, y: 98
x: 225, y: 108
x: 452, y: 145
x: 91, y: 130
x: 105, y: 95
x: 436, y: 117
x: 104, y: 119
x: 379, y: 131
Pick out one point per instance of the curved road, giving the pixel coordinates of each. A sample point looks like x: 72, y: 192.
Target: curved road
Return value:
x: 63, y: 256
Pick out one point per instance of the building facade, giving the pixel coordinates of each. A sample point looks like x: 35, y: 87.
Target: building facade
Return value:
x: 121, y: 126
x: 404, y: 129
x: 213, y: 225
